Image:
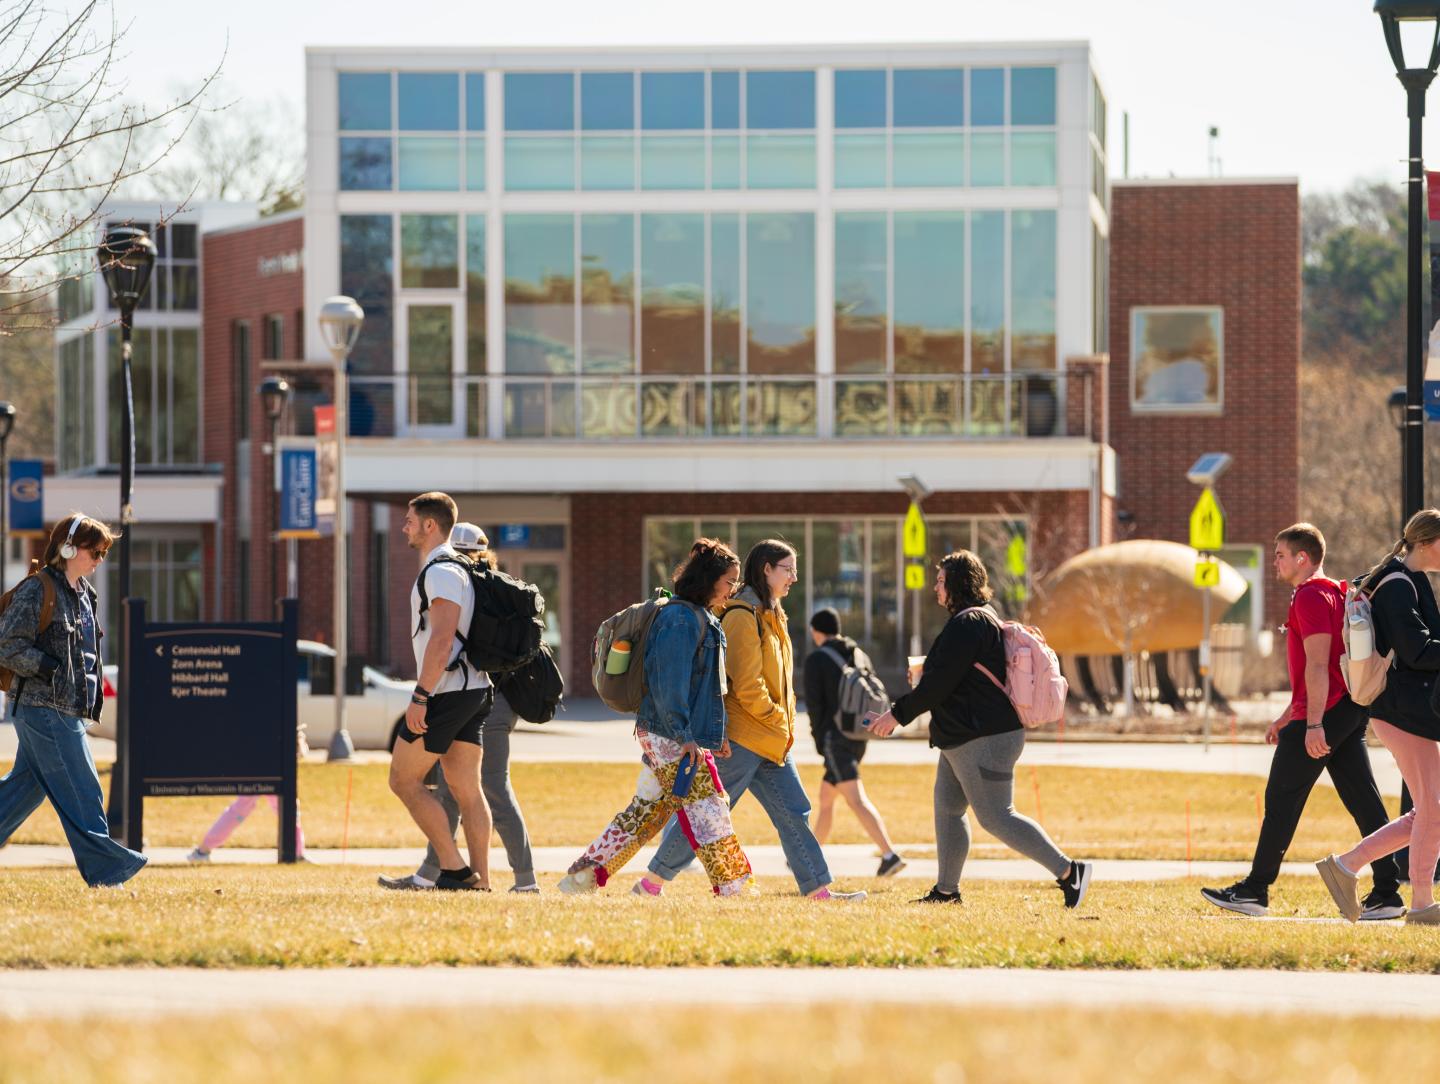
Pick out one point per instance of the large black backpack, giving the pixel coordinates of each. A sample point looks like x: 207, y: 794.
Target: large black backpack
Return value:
x: 534, y: 691
x: 506, y: 628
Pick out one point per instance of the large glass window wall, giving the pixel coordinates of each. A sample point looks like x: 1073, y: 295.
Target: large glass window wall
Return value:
x: 623, y: 131
x: 628, y: 295
x: 412, y: 131
x: 944, y: 320
x: 165, y: 378
x: 941, y: 307
x: 945, y: 127
x: 854, y: 565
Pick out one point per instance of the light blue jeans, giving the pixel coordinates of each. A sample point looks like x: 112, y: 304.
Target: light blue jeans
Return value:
x: 778, y: 789
x: 54, y: 762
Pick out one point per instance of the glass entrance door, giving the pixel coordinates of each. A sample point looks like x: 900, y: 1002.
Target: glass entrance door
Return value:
x: 433, y: 356
x: 546, y: 571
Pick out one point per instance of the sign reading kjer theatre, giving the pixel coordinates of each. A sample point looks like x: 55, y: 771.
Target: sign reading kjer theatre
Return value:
x: 212, y: 711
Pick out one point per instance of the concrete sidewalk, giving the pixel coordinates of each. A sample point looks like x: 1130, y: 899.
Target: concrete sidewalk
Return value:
x: 848, y: 861
x: 156, y: 992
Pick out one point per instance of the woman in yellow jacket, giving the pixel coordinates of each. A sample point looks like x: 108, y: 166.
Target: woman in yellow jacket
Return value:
x: 760, y: 726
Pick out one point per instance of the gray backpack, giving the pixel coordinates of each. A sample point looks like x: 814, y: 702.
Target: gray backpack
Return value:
x: 861, y: 691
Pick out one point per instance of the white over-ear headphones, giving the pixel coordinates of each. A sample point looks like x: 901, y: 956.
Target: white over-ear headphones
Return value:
x: 67, y: 548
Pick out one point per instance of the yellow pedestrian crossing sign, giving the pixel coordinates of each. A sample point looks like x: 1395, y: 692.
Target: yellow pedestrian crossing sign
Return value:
x: 914, y: 577
x: 1207, y: 523
x: 914, y: 535
x: 1207, y: 573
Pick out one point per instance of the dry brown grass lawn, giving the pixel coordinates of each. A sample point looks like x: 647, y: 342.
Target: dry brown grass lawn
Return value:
x: 332, y: 916
x: 939, y: 1045
x: 1099, y: 813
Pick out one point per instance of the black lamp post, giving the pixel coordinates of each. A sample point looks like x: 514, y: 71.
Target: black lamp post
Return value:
x: 274, y: 395
x: 1396, y: 402
x: 127, y: 256
x: 1416, y: 80
x: 7, y: 423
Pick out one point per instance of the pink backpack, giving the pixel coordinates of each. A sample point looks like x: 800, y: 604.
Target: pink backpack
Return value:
x: 1033, y: 680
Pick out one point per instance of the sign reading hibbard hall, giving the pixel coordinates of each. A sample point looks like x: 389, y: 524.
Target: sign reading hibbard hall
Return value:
x: 212, y: 710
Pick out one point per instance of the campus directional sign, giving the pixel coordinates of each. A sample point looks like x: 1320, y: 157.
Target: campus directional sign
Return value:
x: 914, y: 534
x: 1207, y: 523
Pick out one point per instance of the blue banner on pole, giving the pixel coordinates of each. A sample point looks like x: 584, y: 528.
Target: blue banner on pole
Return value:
x: 27, y: 495
x: 297, y: 492
x: 1432, y: 400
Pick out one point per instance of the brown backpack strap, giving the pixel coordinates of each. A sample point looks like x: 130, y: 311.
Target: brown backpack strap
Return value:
x: 47, y: 603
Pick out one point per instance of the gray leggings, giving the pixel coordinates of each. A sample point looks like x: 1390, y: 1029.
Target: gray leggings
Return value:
x: 981, y: 773
x: 504, y: 809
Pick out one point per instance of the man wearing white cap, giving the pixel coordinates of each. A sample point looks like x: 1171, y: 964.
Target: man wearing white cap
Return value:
x: 509, y: 822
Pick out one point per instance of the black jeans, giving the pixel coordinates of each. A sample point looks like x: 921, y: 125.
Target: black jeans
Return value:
x: 1293, y: 774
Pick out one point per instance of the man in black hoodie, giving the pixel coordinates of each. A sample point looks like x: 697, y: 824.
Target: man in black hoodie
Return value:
x: 842, y: 756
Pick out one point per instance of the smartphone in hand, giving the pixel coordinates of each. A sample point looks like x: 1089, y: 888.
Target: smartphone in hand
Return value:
x: 684, y: 775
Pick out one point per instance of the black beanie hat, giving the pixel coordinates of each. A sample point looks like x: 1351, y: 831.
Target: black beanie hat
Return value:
x: 826, y: 622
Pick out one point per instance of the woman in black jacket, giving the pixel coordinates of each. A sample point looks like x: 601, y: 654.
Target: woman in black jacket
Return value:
x: 1406, y: 620
x: 974, y: 725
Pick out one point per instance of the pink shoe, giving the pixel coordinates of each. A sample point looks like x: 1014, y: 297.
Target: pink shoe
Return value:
x: 646, y: 887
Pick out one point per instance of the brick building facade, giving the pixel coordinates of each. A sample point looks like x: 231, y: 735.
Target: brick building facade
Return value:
x: 1233, y: 245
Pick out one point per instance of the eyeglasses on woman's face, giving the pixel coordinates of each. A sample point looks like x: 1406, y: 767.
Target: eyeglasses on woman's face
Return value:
x: 788, y: 569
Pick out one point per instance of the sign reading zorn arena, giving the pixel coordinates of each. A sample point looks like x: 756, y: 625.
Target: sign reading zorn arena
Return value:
x: 212, y: 711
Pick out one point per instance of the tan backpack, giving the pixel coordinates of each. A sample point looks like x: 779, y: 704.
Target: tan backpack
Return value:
x: 1365, y: 678
x: 8, y: 677
x: 625, y: 689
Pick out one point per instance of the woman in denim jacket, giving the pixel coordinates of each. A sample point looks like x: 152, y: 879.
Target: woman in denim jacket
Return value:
x: 59, y: 671
x: 681, y: 718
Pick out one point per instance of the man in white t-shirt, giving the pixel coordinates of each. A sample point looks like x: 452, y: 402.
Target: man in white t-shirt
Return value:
x: 451, y: 700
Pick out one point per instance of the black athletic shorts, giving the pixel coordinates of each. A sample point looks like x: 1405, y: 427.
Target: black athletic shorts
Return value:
x: 842, y: 757
x: 452, y: 717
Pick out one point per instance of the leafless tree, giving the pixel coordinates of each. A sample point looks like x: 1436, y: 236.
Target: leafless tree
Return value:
x: 244, y: 148
x: 68, y: 140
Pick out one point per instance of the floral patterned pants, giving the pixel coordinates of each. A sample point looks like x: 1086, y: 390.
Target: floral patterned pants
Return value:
x: 704, y: 816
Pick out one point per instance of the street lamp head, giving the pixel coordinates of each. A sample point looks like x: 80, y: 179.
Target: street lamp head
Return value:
x: 1424, y: 33
x: 274, y: 394
x: 1396, y: 403
x: 340, y: 320
x: 7, y: 419
x: 127, y: 256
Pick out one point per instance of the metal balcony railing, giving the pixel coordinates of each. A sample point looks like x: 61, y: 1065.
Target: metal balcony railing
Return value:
x: 593, y: 407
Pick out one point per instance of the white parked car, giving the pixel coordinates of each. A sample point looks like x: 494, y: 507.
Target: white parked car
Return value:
x: 373, y: 717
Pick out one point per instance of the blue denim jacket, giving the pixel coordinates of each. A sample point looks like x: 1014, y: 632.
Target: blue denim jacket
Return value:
x: 684, y: 660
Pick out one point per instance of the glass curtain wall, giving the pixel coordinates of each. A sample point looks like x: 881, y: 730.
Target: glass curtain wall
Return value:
x: 760, y: 322
x: 902, y: 279
x: 165, y: 380
x: 600, y: 131
x: 945, y: 127
x: 411, y: 131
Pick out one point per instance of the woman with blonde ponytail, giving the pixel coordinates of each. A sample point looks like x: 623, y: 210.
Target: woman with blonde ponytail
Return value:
x: 1407, y: 622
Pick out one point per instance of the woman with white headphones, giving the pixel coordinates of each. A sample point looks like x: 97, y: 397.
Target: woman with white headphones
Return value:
x: 50, y: 642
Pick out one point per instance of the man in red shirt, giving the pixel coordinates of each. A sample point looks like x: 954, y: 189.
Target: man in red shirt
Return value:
x: 1321, y: 729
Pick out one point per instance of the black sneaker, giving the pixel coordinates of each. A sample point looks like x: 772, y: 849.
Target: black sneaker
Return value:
x: 1242, y: 897
x: 1379, y: 906
x: 1077, y: 884
x: 890, y: 866
x: 936, y: 896
x: 446, y: 883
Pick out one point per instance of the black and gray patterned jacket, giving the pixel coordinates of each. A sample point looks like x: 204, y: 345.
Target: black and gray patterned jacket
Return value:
x: 50, y: 666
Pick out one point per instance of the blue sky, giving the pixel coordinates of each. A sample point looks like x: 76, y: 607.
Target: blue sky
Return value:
x: 1297, y: 87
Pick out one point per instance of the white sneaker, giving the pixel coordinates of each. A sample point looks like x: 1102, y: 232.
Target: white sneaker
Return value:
x: 197, y: 855
x: 526, y: 890
x: 846, y: 897
x: 578, y: 884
